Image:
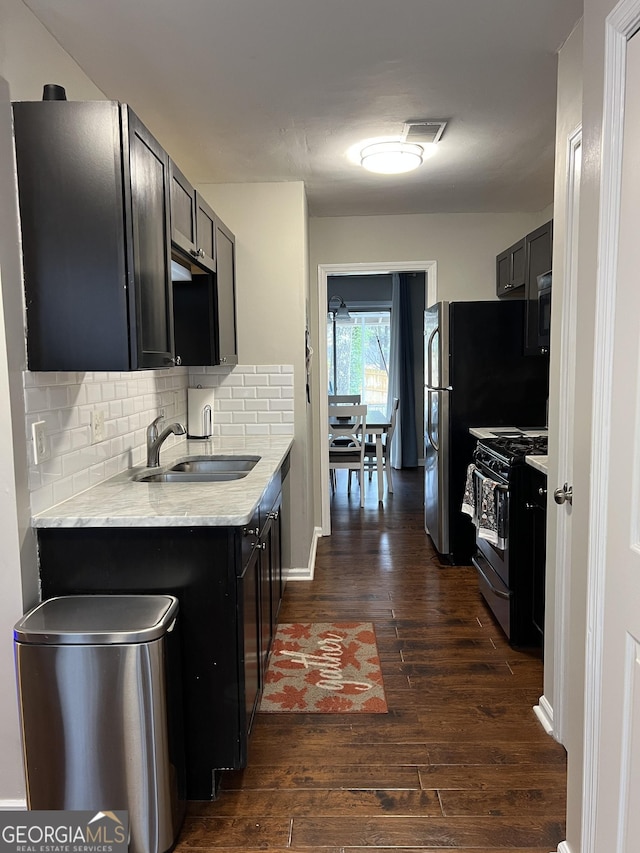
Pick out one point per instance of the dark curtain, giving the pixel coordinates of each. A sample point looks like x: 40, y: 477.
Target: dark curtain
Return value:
x: 403, y: 374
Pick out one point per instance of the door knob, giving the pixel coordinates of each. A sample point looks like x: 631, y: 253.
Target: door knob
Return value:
x: 563, y: 493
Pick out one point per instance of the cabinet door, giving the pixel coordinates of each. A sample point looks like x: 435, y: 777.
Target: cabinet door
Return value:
x: 206, y: 233
x: 275, y: 563
x: 183, y: 212
x: 149, y: 253
x: 537, y: 506
x: 249, y: 629
x: 226, y: 287
x: 539, y: 259
x: 69, y: 170
x: 510, y: 271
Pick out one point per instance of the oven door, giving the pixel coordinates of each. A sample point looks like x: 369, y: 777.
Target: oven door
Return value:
x: 496, y: 554
x: 497, y: 595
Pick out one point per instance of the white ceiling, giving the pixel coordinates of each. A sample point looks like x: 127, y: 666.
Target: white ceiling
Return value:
x: 279, y: 90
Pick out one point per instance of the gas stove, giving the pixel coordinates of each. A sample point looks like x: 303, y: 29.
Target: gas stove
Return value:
x: 503, y: 452
x: 512, y: 448
x: 504, y: 557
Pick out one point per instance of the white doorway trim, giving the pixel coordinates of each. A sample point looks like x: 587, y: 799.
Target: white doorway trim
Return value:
x: 430, y: 269
x: 620, y: 25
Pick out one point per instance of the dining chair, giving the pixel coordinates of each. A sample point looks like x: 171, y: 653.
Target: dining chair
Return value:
x: 370, y: 449
x: 347, y: 440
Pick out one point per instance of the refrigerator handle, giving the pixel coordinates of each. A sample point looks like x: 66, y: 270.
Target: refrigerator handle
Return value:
x: 429, y: 424
x: 430, y: 357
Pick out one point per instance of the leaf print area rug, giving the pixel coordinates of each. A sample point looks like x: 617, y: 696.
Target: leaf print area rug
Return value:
x: 324, y: 668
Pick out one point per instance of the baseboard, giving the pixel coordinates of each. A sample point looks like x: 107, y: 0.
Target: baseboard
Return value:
x: 305, y: 573
x: 13, y: 805
x: 544, y: 712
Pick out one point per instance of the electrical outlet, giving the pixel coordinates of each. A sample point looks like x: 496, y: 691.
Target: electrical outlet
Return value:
x: 41, y: 450
x: 97, y: 426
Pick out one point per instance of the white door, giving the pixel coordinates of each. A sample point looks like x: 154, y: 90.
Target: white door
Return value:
x: 615, y: 808
x: 561, y: 431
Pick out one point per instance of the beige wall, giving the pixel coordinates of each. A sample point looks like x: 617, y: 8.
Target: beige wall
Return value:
x: 270, y: 224
x: 464, y: 245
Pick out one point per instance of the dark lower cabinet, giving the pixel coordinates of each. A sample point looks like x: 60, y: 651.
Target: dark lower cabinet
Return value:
x: 537, y: 506
x: 250, y: 597
x: 222, y: 578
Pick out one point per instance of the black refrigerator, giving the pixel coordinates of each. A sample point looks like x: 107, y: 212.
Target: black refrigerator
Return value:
x: 476, y: 375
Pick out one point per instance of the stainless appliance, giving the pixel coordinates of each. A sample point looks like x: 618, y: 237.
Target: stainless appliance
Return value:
x: 476, y: 374
x: 100, y: 706
x: 505, y: 560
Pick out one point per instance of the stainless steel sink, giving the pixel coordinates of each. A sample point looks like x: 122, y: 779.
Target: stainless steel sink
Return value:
x: 201, y: 469
x: 216, y: 464
x: 189, y: 476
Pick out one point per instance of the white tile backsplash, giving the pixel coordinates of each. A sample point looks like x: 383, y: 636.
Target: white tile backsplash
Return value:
x: 248, y: 400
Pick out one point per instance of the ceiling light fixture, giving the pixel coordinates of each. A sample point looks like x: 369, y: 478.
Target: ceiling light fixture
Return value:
x: 391, y: 158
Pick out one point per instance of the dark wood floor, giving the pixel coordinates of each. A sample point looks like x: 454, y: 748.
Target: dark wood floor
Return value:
x: 460, y: 762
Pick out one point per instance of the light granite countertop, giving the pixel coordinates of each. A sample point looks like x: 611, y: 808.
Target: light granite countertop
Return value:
x: 120, y: 502
x: 540, y: 463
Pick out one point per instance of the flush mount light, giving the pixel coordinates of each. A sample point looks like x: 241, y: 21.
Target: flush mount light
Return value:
x: 391, y: 158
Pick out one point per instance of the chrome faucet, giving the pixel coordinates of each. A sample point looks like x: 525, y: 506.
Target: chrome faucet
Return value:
x: 155, y: 439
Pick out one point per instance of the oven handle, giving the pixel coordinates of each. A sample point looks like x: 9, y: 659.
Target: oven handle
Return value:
x: 500, y: 486
x: 495, y: 591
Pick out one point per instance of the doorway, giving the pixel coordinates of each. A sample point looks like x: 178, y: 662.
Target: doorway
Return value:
x: 429, y: 268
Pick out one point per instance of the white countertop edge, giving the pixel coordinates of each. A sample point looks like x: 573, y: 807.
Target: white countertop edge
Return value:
x: 120, y: 502
x: 540, y: 463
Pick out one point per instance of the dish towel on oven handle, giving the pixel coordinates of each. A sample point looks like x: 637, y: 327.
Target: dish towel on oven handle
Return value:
x: 489, y: 521
x: 469, y: 498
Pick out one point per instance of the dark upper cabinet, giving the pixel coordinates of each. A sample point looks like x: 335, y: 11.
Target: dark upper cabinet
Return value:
x: 510, y: 271
x: 192, y: 221
x: 538, y: 261
x: 195, y: 314
x: 226, y: 293
x: 93, y: 188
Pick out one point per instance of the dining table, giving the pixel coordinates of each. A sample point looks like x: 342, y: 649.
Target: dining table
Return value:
x: 378, y: 424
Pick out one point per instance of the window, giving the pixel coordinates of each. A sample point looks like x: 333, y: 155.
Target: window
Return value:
x: 362, y: 356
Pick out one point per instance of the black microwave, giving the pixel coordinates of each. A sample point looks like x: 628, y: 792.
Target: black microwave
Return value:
x: 544, y: 311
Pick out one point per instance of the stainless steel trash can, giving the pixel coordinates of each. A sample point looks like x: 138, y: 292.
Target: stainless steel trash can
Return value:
x: 100, y: 704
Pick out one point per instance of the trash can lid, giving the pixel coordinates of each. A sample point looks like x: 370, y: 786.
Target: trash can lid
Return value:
x: 97, y: 620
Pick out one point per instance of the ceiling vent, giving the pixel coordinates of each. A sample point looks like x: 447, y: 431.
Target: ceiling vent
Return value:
x: 423, y: 131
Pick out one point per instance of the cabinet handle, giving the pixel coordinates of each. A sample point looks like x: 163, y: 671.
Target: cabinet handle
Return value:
x: 508, y: 287
x: 223, y: 359
x: 194, y: 252
x: 201, y: 253
x: 178, y: 360
x: 542, y: 491
x: 250, y: 531
x: 263, y: 546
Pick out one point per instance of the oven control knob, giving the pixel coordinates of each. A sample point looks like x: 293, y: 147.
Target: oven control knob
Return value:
x: 563, y: 494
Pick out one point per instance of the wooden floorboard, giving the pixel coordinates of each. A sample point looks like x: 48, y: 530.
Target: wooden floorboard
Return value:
x: 460, y: 761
